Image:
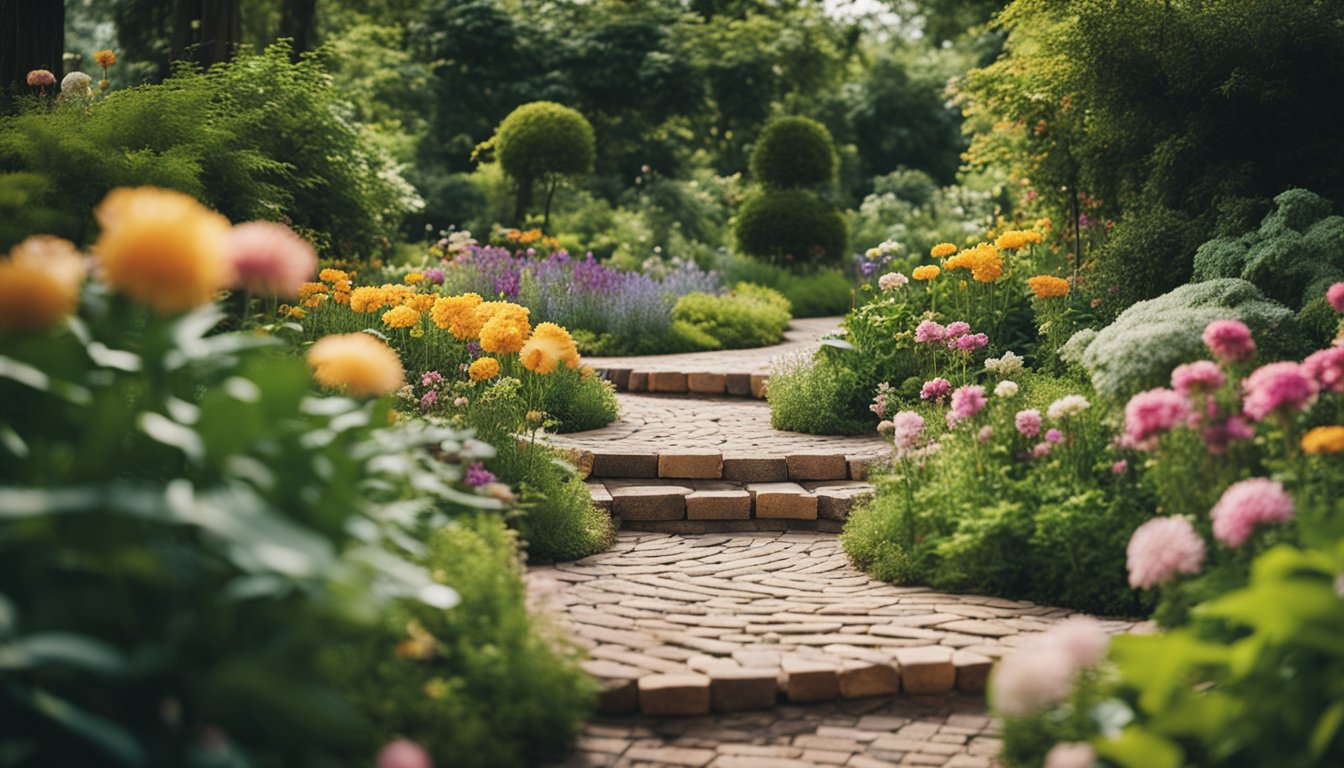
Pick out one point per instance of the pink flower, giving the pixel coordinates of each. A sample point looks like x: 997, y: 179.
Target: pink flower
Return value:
x: 1247, y: 504
x: 958, y: 329
x: 42, y: 78
x: 1326, y: 368
x: 1149, y: 414
x: 1230, y: 340
x: 1071, y: 754
x: 403, y: 753
x: 1028, y: 422
x: 269, y: 259
x: 986, y: 434
x: 929, y: 332
x: 892, y: 280
x: 1041, y: 450
x: 967, y: 401
x: 461, y: 402
x: 431, y: 378
x: 1042, y: 671
x: 1081, y: 639
x: 1162, y: 548
x: 1054, y: 436
x: 1120, y: 467
x: 1278, y: 388
x: 1335, y: 295
x: 430, y: 398
x: 434, y: 275
x: 1218, y: 435
x: 968, y: 343
x: 935, y: 389
x: 907, y: 426
x: 478, y: 475
x: 1200, y: 377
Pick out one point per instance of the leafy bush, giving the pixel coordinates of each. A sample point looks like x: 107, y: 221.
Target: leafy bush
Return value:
x: 791, y: 227
x: 817, y: 397
x: 794, y: 152
x: 818, y: 293
x: 1147, y: 255
x: 579, y: 401
x: 543, y: 141
x: 481, y: 685
x: 908, y: 207
x: 750, y: 316
x: 1139, y: 350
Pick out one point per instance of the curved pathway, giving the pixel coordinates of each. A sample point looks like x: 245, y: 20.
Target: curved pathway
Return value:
x: 726, y: 626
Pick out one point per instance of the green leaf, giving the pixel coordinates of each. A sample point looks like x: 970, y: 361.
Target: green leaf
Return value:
x: 1326, y: 729
x: 70, y: 650
x: 837, y: 343
x: 164, y: 430
x: 110, y: 737
x: 33, y: 378
x: 1137, y: 748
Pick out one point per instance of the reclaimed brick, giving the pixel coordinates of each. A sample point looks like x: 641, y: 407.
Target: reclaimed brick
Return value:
x: 658, y: 502
x: 625, y: 465
x: 675, y: 694
x: 718, y: 505
x: 972, y: 671
x: 738, y: 384
x: 755, y: 470
x: 638, y: 381
x: 699, y: 465
x: 807, y: 681
x: 736, y: 689
x: 707, y: 383
x: 817, y: 466
x: 669, y: 382
x: 926, y: 670
x: 783, y: 500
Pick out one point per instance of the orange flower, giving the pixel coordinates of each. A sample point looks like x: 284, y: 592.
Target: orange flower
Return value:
x: 1048, y: 286
x: 943, y: 249
x: 39, y: 283
x: 1323, y: 440
x: 105, y: 58
x: 457, y: 315
x: 356, y: 363
x: 927, y: 272
x: 483, y: 368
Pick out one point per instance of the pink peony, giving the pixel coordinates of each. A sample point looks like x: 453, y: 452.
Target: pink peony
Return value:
x: 1071, y: 754
x: 1041, y: 450
x: 930, y: 332
x: 986, y: 434
x: 1230, y: 340
x: 1054, y: 436
x: 1028, y: 422
x: 1197, y: 378
x: 1149, y: 414
x: 1162, y: 548
x: 906, y: 426
x: 1247, y: 504
x: 1278, y: 388
x: 1042, y: 671
x: 958, y: 329
x: 969, y: 342
x: 1335, y: 295
x: 1218, y: 435
x: 967, y: 401
x: 935, y: 389
x: 269, y: 259
x: 1326, y: 368
x: 1120, y: 467
x: 1080, y: 638
x: 403, y: 753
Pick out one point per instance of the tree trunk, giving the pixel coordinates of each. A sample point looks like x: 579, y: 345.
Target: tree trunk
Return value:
x: 206, y: 31
x: 32, y: 36
x: 296, y: 23
x: 523, y: 201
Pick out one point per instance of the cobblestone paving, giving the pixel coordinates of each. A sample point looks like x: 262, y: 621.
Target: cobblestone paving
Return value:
x: 950, y: 731
x: 801, y: 336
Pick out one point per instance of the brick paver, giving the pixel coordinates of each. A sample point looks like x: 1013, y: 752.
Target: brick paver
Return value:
x: 802, y: 336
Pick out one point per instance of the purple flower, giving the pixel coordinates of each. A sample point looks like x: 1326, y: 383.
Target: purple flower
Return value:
x: 478, y: 475
x: 930, y: 332
x: 935, y: 389
x: 434, y: 275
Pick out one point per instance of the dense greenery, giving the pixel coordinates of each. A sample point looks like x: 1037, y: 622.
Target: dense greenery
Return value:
x: 547, y: 142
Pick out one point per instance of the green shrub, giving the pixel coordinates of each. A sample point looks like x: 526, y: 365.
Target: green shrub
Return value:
x: 544, y: 141
x: 794, y: 152
x: 578, y: 403
x: 750, y: 316
x: 486, y: 685
x: 818, y: 397
x: 1148, y: 254
x: 791, y: 227
x: 811, y: 293
x: 1139, y: 350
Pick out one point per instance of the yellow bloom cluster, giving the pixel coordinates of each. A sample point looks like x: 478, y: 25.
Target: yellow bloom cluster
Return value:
x: 373, y: 298
x: 483, y: 368
x: 1324, y: 440
x: 984, y: 262
x: 412, y: 278
x: 39, y: 283
x: 401, y: 317
x: 943, y: 250
x: 1048, y: 286
x: 313, y: 294
x: 927, y: 272
x: 1017, y: 239
x: 356, y: 363
x: 549, y: 346
x: 162, y: 248
x: 457, y: 315
x: 504, y: 326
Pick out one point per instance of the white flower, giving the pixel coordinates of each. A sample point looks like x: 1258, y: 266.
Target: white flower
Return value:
x: 884, y: 426
x: 1006, y: 389
x: 76, y: 84
x: 1007, y: 365
x: 1067, y: 407
x: 892, y: 280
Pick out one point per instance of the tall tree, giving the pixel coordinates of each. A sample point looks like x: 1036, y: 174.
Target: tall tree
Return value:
x: 297, y: 23
x: 206, y: 31
x: 32, y: 36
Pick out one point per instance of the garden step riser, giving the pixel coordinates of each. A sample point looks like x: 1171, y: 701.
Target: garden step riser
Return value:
x: 686, y: 464
x: 701, y: 506
x: 708, y: 383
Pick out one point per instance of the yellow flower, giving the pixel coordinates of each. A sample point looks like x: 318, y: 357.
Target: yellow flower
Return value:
x: 330, y: 275
x: 367, y: 298
x: 39, y: 283
x: 400, y: 317
x: 412, y: 278
x: 1324, y: 440
x: 484, y: 368
x: 549, y: 345
x: 1048, y: 286
x: 356, y: 363
x: 162, y: 248
x: 1017, y: 239
x: 295, y: 312
x: 340, y: 292
x: 504, y: 326
x: 587, y: 372
x: 927, y: 272
x: 105, y: 58
x: 569, y: 351
x: 457, y: 315
x: 984, y: 262
x: 421, y: 302
x: 943, y: 249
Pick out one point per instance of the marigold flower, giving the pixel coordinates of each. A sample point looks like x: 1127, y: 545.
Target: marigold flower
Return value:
x: 927, y: 272
x: 457, y: 315
x: 39, y: 283
x: 412, y: 278
x: 561, y: 340
x: 401, y: 317
x: 483, y: 368
x: 162, y: 248
x: 270, y: 259
x: 356, y: 363
x: 330, y: 275
x: 941, y: 250
x: 367, y: 298
x: 1017, y: 239
x: 41, y: 78
x: 1323, y: 440
x: 504, y: 327
x: 421, y: 302
x: 105, y: 58
x: 1048, y: 286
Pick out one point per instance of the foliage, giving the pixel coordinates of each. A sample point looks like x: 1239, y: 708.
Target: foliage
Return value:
x: 749, y: 316
x: 481, y: 685
x: 815, y: 396
x: 543, y: 141
x: 1140, y: 348
x: 791, y: 227
x: 820, y: 293
x: 908, y: 207
x: 793, y: 153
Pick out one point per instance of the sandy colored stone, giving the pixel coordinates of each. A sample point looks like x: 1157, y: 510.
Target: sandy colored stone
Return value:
x: 756, y: 470
x: 836, y: 503
x: 858, y: 679
x: 601, y: 497
x: 739, y: 688
x: 701, y: 465
x: 668, y: 382
x: 656, y: 502
x: 972, y: 671
x: 625, y: 464
x: 718, y: 505
x: 738, y: 384
x: 783, y: 501
x: 707, y: 383
x: 817, y: 466
x: 638, y: 381
x: 680, y: 694
x: 806, y: 681
x: 760, y: 384
x: 926, y: 670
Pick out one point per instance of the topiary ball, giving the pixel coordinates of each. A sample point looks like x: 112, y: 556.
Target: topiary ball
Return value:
x: 544, y: 138
x: 791, y: 227
x: 793, y: 152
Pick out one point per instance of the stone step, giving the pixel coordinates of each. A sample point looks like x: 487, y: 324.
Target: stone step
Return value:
x: 712, y: 383
x: 705, y: 506
x: 710, y: 464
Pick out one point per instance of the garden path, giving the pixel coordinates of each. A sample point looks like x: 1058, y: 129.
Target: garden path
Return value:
x: 726, y: 592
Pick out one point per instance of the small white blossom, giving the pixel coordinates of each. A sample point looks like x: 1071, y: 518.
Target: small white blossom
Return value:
x: 1067, y: 407
x: 1006, y: 388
